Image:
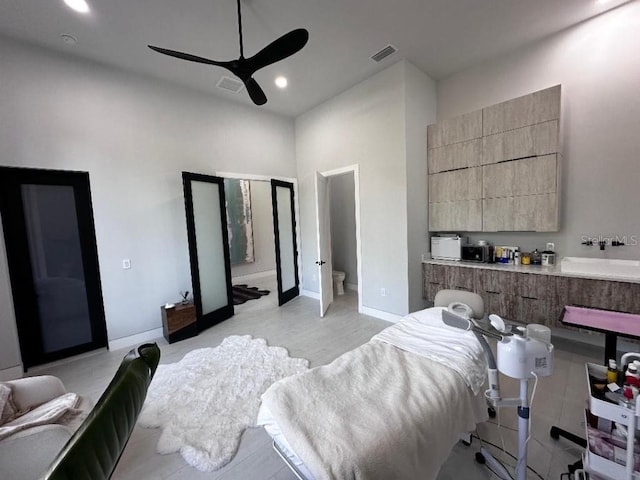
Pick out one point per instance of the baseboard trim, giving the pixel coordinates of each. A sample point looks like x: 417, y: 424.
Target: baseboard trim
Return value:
x: 382, y: 315
x: 253, y: 276
x: 351, y: 286
x: 143, y: 337
x: 11, y: 373
x: 308, y: 293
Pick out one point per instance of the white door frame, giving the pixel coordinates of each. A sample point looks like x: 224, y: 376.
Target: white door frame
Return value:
x: 268, y: 178
x: 356, y: 192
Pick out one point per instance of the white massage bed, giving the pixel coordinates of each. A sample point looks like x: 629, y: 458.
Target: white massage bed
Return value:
x: 391, y: 408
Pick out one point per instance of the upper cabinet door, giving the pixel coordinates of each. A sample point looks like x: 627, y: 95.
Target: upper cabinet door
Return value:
x: 455, y: 156
x: 530, y: 141
x: 530, y: 109
x: 454, y: 130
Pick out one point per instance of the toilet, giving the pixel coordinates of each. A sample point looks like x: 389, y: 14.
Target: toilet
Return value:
x: 338, y: 282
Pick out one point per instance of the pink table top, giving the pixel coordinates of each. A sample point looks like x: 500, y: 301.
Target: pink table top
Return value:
x: 617, y: 322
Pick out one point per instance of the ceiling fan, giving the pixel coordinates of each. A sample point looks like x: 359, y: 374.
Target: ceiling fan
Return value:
x: 244, y: 68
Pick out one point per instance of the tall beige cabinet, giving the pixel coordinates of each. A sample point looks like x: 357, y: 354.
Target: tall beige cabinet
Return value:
x: 497, y: 169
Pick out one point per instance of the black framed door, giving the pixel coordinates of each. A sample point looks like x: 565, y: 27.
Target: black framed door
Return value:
x: 208, y: 248
x: 49, y: 233
x: 284, y: 231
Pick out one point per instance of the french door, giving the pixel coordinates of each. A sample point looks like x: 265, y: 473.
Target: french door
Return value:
x: 284, y: 230
x: 52, y: 256
x: 208, y: 248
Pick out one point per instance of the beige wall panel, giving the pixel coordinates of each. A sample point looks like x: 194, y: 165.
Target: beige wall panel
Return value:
x: 530, y: 176
x: 465, y: 184
x: 456, y: 216
x: 455, y: 156
x: 539, y: 139
x: 454, y: 130
x: 529, y: 109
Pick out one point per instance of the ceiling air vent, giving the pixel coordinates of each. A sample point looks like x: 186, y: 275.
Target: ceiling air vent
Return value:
x: 384, y: 53
x: 229, y: 84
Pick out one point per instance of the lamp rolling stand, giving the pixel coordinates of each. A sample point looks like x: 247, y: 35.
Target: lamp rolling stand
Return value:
x: 521, y: 356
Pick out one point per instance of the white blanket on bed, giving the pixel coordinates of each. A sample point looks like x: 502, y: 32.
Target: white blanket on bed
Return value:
x: 424, y: 334
x: 376, y: 412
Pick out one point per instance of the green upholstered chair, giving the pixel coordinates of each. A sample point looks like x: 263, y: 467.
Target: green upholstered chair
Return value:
x: 93, y: 452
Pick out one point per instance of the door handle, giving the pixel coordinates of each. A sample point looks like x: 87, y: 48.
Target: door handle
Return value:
x: 320, y: 262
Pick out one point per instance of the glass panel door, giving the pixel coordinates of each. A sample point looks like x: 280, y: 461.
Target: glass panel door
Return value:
x: 284, y: 226
x: 56, y: 265
x: 53, y: 263
x: 208, y: 248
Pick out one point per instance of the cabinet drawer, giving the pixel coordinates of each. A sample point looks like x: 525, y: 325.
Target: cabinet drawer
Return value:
x: 533, y: 285
x: 461, y: 278
x: 435, y: 273
x: 495, y: 281
x: 533, y: 310
x: 502, y: 304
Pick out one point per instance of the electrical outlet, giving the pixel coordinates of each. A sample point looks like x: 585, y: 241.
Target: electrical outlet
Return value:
x: 383, y: 292
x: 126, y: 263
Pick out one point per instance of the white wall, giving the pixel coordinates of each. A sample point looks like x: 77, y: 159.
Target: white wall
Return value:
x: 598, y: 65
x: 134, y: 136
x: 420, y: 111
x: 343, y: 226
x: 264, y: 247
x: 364, y: 125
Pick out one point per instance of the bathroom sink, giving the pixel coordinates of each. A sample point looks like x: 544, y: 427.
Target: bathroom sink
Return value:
x: 601, y: 267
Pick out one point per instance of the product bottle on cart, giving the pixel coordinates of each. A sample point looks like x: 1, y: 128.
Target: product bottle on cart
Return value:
x: 612, y: 372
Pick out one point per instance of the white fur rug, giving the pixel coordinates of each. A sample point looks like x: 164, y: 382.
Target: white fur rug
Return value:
x: 204, y: 402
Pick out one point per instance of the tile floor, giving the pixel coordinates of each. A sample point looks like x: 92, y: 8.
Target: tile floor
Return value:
x: 559, y: 399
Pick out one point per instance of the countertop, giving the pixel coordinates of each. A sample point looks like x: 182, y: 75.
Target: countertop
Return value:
x: 534, y: 269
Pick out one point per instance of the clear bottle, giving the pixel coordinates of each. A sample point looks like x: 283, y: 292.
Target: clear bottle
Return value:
x: 612, y: 372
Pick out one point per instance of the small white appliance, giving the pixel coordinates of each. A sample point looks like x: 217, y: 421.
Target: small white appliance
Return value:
x: 447, y: 247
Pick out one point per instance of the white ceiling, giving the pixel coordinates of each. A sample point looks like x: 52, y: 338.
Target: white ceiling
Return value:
x: 440, y: 37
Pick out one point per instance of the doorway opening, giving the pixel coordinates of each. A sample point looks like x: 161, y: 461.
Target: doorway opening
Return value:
x: 263, y: 233
x: 338, y: 223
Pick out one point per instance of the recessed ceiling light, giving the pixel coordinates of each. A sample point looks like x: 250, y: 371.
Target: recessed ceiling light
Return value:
x: 78, y: 5
x: 281, y: 82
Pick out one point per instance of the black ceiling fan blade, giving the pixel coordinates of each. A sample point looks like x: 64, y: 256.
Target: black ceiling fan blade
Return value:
x: 188, y: 57
x: 255, y: 92
x: 279, y: 49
